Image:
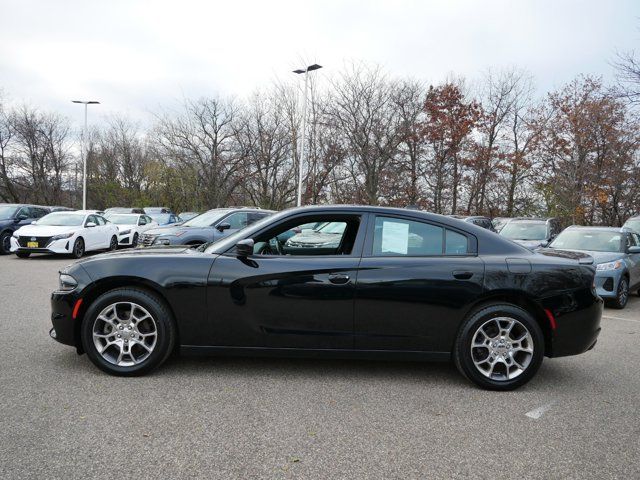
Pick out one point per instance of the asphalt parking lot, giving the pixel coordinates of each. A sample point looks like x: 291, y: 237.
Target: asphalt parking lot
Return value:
x: 60, y: 417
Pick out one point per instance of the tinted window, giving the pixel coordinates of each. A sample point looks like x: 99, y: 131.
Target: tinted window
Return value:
x: 636, y: 238
x: 101, y: 221
x: 255, y: 216
x: 24, y: 211
x: 394, y: 236
x: 456, y: 243
x: 237, y: 220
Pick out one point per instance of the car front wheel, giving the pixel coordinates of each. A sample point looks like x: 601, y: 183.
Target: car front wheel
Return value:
x: 499, y: 347
x: 5, y: 243
x: 128, y: 332
x: 622, y: 294
x: 78, y: 248
x: 113, y: 244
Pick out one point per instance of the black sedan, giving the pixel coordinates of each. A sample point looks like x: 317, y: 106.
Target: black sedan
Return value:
x: 400, y: 284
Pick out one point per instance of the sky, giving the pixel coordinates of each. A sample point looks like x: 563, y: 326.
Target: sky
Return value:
x: 139, y: 57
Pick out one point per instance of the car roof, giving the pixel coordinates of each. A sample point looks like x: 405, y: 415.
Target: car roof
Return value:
x: 490, y: 239
x: 532, y: 219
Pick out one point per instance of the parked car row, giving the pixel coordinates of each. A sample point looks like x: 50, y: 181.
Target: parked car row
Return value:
x: 26, y: 229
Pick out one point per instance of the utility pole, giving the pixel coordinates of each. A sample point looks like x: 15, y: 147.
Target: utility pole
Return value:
x: 84, y: 155
x: 306, y: 71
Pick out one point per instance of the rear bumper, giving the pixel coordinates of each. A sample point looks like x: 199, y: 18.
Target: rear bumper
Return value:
x: 576, y: 331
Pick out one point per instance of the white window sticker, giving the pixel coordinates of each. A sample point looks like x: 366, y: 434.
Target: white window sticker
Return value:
x: 395, y: 237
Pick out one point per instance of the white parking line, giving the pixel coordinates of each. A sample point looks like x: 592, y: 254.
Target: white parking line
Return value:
x: 620, y: 318
x: 536, y: 413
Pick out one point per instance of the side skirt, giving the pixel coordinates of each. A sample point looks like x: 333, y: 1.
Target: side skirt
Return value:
x: 399, y: 355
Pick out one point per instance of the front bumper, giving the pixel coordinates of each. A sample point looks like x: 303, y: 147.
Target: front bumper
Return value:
x: 125, y: 239
x: 63, y: 247
x: 607, y: 283
x: 63, y: 330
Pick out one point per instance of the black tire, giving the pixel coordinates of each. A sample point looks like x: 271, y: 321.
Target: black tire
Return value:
x: 113, y: 244
x: 134, y: 242
x: 78, y: 248
x: 5, y: 243
x: 622, y: 295
x: 462, y: 354
x: 166, y: 331
x: 23, y: 254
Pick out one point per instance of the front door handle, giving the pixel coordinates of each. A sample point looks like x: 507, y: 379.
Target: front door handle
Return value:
x: 338, y: 278
x: 462, y: 275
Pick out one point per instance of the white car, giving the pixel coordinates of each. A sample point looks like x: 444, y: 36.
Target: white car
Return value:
x: 131, y: 226
x: 71, y: 233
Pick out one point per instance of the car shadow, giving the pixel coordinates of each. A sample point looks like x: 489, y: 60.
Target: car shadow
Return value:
x: 52, y: 256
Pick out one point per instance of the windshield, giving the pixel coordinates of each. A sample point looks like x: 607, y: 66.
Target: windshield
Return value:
x: 61, y: 219
x: 206, y: 219
x: 593, y: 240
x: 632, y: 224
x: 7, y: 212
x: 149, y: 210
x: 123, y: 219
x: 525, y: 231
x: 161, y: 218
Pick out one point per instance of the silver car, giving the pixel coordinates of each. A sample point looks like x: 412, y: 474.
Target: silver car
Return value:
x: 616, y: 253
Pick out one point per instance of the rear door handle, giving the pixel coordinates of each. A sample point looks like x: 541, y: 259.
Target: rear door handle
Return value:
x: 462, y: 275
x: 338, y: 278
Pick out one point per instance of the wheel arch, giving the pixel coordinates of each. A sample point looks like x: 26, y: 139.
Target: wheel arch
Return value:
x: 519, y: 299
x: 111, y: 283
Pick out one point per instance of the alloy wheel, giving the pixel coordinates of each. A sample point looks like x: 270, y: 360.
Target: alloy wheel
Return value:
x: 125, y: 334
x: 502, y: 348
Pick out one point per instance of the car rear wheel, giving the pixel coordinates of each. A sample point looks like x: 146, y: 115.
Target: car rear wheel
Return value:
x: 499, y: 347
x: 622, y: 294
x: 78, y: 248
x: 5, y: 243
x: 128, y: 332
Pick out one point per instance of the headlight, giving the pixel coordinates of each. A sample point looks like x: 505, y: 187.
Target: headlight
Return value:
x: 62, y: 236
x: 125, y: 232
x: 609, y: 266
x: 66, y: 283
x: 15, y: 235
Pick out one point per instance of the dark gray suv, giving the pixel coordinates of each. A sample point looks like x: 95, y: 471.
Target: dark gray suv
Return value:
x: 207, y: 227
x: 13, y: 216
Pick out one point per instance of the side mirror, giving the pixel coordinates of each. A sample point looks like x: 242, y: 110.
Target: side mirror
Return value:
x: 244, y: 248
x: 20, y: 218
x: 224, y: 226
x: 90, y: 224
x: 634, y: 249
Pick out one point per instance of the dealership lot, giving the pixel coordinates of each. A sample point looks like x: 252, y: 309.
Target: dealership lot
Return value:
x: 281, y: 418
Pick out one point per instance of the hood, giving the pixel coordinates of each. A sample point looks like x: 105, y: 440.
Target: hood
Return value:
x: 168, y: 230
x: 45, y: 230
x: 124, y: 227
x: 598, y: 257
x: 531, y: 244
x: 151, y: 252
x: 315, y: 238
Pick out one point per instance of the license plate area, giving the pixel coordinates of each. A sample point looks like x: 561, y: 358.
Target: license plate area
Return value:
x: 32, y: 244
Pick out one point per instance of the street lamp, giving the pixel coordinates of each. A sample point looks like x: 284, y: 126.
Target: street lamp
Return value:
x: 310, y: 68
x: 86, y: 103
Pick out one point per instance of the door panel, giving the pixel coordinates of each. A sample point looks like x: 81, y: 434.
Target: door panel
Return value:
x: 283, y: 301
x: 414, y: 303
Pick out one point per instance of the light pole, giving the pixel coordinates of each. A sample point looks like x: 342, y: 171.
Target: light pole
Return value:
x: 86, y: 103
x: 306, y: 71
